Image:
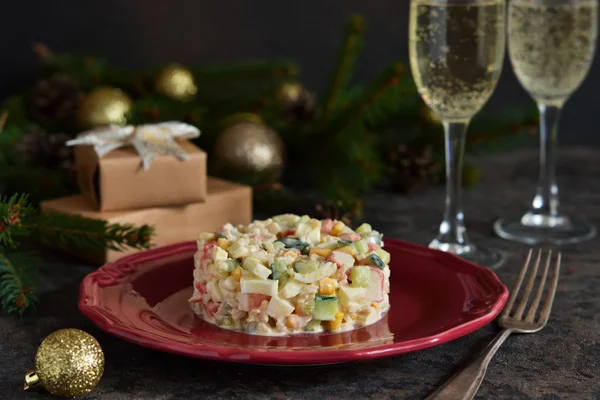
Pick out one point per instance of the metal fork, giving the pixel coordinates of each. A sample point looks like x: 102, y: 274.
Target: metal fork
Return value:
x: 465, y: 384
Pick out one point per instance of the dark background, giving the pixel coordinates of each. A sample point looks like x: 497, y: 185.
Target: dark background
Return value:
x: 134, y: 33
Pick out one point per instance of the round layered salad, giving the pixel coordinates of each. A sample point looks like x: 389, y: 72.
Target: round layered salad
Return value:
x: 290, y: 274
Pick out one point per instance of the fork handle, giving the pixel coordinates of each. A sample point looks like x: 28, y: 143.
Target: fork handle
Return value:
x: 465, y: 384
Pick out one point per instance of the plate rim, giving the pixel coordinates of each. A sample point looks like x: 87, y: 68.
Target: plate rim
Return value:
x: 89, y: 287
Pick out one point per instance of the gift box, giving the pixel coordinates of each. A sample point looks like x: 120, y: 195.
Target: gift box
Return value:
x: 224, y: 202
x: 117, y: 181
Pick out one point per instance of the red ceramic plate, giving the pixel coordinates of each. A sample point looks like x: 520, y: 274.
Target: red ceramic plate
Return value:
x: 435, y: 297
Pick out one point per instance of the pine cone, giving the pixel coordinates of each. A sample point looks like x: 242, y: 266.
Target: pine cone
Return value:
x: 48, y: 150
x: 305, y: 109
x: 298, y: 103
x: 53, y: 100
x: 412, y: 170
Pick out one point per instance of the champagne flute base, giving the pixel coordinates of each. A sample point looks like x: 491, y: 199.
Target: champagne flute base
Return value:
x: 490, y: 258
x: 535, y: 229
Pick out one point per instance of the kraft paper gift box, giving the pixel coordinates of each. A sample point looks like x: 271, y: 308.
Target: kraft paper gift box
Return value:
x: 117, y: 181
x: 225, y: 202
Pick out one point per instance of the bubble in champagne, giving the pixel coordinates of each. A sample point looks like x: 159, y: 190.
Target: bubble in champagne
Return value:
x: 456, y: 54
x: 552, y: 46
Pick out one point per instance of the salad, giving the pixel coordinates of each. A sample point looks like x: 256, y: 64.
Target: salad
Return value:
x: 291, y: 274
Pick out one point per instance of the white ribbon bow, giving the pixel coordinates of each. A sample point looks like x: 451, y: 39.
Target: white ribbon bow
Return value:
x: 149, y: 140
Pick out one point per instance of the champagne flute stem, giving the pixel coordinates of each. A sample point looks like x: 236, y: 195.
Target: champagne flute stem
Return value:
x: 452, y: 228
x: 546, y: 200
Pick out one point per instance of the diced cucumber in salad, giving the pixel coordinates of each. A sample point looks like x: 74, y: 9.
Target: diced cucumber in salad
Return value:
x: 306, y: 266
x: 363, y: 229
x: 231, y: 264
x: 360, y: 275
x: 325, y: 308
x: 279, y: 268
x: 313, y: 326
x: 293, y: 243
x: 361, y: 246
x: 376, y: 261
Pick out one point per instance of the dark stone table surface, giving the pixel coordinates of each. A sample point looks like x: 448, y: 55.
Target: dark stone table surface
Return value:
x: 561, y: 362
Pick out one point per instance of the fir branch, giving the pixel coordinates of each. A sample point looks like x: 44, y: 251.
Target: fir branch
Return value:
x: 509, y: 129
x: 355, y: 164
x: 231, y: 97
x: 19, y: 274
x: 345, y: 173
x: 347, y: 59
x: 512, y: 138
x: 17, y: 283
x: 66, y: 231
x: 348, y: 97
x: 87, y: 71
x: 43, y: 52
x: 13, y: 211
x: 151, y: 109
x: 245, y: 71
x: 9, y: 136
x: 372, y: 99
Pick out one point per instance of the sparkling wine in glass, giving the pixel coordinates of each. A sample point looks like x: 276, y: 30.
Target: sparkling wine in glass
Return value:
x: 551, y: 47
x: 456, y: 56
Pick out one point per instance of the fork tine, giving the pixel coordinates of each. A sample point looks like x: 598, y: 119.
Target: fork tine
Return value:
x: 551, y: 291
x: 513, y: 295
x: 540, y: 290
x: 528, y: 286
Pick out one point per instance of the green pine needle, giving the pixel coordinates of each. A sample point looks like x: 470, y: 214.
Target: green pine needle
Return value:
x: 13, y: 211
x: 67, y: 231
x: 510, y: 129
x: 18, y: 277
x: 374, y: 104
x: 157, y: 108
x: 350, y: 50
x: 245, y: 71
x: 18, y: 271
x: 10, y: 135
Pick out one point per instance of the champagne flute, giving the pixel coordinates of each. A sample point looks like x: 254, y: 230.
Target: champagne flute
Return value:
x: 551, y: 47
x: 456, y: 56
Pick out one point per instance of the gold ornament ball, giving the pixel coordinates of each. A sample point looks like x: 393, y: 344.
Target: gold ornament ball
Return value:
x: 104, y: 106
x: 69, y: 363
x: 176, y: 82
x: 290, y: 93
x: 251, y: 152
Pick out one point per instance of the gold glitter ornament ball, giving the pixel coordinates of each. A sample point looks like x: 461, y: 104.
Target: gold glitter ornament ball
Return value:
x: 176, y: 82
x: 69, y: 363
x: 104, y: 106
x: 249, y: 152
